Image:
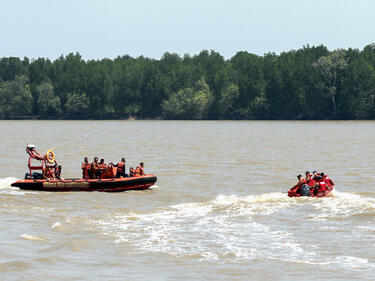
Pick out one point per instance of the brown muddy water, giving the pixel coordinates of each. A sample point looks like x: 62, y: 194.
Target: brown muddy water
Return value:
x: 219, y: 210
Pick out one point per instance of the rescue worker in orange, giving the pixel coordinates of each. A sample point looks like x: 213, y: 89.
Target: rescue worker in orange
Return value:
x: 85, y: 168
x: 298, y: 185
x: 322, y: 183
x: 121, y: 169
x: 49, y: 173
x: 94, y: 169
x: 315, y: 175
x: 102, y: 168
x: 329, y: 181
x: 309, y: 180
x: 140, y: 170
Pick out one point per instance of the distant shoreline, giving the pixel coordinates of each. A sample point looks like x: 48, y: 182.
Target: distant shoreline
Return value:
x: 311, y: 83
x: 161, y: 119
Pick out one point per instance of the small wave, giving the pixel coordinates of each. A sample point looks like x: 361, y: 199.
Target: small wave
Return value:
x: 33, y: 237
x: 56, y: 225
x: 342, y: 205
x: 353, y: 262
x: 6, y: 182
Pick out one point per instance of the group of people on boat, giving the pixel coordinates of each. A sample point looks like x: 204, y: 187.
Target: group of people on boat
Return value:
x: 312, y: 185
x: 98, y: 170
x: 94, y: 170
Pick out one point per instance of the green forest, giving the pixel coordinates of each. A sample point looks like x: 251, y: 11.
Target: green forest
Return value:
x: 311, y: 83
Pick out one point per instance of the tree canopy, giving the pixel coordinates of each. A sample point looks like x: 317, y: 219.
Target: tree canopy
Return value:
x: 309, y: 83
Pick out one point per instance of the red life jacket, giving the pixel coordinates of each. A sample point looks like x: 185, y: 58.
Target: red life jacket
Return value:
x: 94, y: 167
x: 310, y: 182
x: 328, y: 181
x: 102, y: 166
x: 49, y: 173
x: 121, y: 167
x: 322, y: 185
x: 297, y: 188
x: 85, y: 170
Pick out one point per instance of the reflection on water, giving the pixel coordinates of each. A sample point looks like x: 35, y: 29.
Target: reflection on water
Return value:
x: 219, y: 208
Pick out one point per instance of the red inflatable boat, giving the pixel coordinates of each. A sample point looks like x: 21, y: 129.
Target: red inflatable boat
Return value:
x: 312, y: 192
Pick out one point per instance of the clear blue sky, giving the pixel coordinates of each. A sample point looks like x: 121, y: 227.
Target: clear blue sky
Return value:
x: 98, y: 29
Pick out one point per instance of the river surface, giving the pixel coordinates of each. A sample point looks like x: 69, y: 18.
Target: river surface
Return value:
x: 218, y: 211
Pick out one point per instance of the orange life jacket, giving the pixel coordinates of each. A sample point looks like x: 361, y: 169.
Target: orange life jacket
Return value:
x: 49, y: 173
x: 120, y: 167
x: 103, y: 166
x: 94, y: 167
x: 138, y: 171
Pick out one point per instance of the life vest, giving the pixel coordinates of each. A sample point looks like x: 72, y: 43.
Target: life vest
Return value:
x: 49, y: 173
x: 121, y: 167
x: 94, y: 167
x: 85, y: 170
x: 103, y: 166
x: 328, y: 181
x: 138, y: 171
x: 297, y: 188
x: 310, y: 182
x: 322, y: 185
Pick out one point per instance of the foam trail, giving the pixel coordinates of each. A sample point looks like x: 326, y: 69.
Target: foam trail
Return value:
x: 228, y: 228
x: 6, y: 182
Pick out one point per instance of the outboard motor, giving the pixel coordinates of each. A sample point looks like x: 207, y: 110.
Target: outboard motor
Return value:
x: 305, y: 190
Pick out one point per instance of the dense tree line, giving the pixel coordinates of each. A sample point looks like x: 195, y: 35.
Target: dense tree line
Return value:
x: 309, y: 83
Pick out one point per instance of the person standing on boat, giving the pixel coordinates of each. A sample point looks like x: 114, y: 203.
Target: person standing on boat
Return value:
x: 94, y: 169
x: 102, y: 167
x: 85, y: 168
x: 121, y: 168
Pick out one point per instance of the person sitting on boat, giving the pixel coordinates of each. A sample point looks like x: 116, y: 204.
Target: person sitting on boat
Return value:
x: 316, y: 175
x: 322, y: 185
x: 58, y: 169
x: 140, y: 170
x: 94, y: 169
x: 102, y: 167
x: 328, y: 181
x: 85, y: 168
x: 297, y: 188
x: 121, y: 168
x: 49, y: 173
x: 131, y: 172
x: 309, y: 180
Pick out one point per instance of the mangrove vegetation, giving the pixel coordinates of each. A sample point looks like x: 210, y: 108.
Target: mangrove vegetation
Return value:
x: 311, y: 83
